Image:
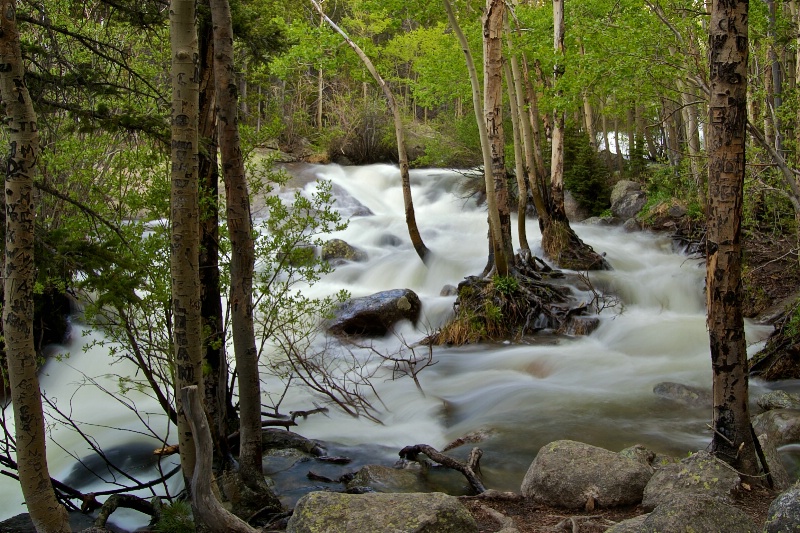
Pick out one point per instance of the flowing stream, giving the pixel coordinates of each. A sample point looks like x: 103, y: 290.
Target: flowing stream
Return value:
x: 596, y: 389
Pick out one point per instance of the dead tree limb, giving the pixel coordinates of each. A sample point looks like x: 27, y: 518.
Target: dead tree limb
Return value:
x: 468, y: 469
x: 127, y: 501
x: 212, y: 514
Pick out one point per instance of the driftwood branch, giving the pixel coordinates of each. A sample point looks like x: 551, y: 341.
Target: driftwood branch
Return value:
x: 127, y: 501
x: 468, y: 469
x: 211, y: 513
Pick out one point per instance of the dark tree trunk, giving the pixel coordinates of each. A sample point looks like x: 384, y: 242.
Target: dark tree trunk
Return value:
x: 728, y: 48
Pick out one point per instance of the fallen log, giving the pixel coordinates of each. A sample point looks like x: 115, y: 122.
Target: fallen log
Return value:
x: 412, y: 452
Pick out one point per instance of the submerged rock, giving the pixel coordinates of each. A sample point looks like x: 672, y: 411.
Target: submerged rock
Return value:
x: 576, y: 475
x: 337, y: 250
x: 330, y: 512
x: 779, y: 399
x: 781, y: 425
x: 374, y: 315
x: 683, y: 394
x: 386, y: 479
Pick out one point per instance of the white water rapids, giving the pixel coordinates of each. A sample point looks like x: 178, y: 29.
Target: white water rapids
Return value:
x: 596, y: 389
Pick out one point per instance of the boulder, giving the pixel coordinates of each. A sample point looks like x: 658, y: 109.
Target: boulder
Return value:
x: 22, y: 523
x: 782, y: 425
x: 631, y: 525
x: 639, y: 453
x: 374, y: 315
x: 282, y: 439
x: 449, y: 290
x: 337, y: 250
x: 700, y: 475
x: 631, y: 225
x: 779, y: 399
x: 687, y: 514
x: 784, y: 512
x: 573, y: 209
x: 379, y: 478
x: 330, y: 512
x: 627, y: 199
x: 576, y: 475
x: 780, y: 477
x: 683, y: 394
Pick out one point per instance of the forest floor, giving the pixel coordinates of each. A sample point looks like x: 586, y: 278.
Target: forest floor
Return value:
x: 529, y: 517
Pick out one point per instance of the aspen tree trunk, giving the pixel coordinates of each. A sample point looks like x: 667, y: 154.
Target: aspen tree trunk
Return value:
x: 215, y: 375
x: 492, y: 110
x: 46, y: 513
x: 733, y: 436
x: 185, y: 232
x: 557, y: 156
x: 240, y: 227
x: 519, y: 169
x: 525, y: 127
x: 402, y: 154
x: 501, y: 263
x: 559, y: 240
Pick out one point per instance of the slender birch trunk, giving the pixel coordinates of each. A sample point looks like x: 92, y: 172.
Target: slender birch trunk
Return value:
x: 402, y: 154
x: 185, y: 232
x: 240, y: 228
x: 501, y: 263
x: 46, y: 513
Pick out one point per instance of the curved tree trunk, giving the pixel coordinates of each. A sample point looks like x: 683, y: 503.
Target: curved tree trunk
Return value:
x: 402, y: 154
x: 210, y: 512
x: 733, y: 436
x: 185, y: 232
x: 242, y: 256
x: 45, y: 511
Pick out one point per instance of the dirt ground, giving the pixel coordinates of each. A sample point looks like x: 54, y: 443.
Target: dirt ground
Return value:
x: 529, y: 517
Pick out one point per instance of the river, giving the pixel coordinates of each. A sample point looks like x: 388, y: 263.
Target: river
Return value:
x: 596, y: 389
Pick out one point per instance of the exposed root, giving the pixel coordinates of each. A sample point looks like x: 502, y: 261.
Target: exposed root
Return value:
x: 565, y: 248
x: 508, y: 307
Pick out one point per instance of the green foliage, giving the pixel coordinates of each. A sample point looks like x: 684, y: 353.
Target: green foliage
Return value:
x: 176, y: 518
x: 505, y: 284
x: 287, y: 320
x: 585, y: 175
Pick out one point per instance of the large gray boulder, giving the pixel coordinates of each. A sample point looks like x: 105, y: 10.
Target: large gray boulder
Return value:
x: 700, y: 475
x: 374, y: 315
x: 697, y: 514
x: 627, y: 199
x: 683, y: 394
x: 330, y: 512
x: 784, y: 512
x: 572, y: 474
x: 779, y: 399
x: 781, y: 425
